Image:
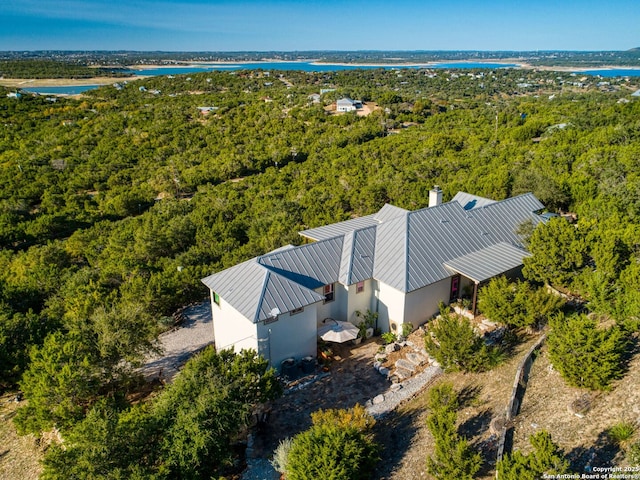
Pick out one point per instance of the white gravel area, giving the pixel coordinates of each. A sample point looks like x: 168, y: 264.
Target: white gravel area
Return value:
x: 178, y: 345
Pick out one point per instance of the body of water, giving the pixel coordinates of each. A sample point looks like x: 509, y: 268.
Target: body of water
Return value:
x: 614, y: 72
x: 60, y: 90
x: 303, y: 66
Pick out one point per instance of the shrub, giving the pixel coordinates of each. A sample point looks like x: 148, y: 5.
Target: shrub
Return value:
x: 585, y: 355
x: 453, y: 459
x: 356, y: 417
x: 456, y: 346
x: 621, y: 432
x: 634, y: 454
x: 517, y: 304
x: 388, y: 337
x: 547, y: 458
x: 407, y: 328
x: 280, y: 458
x: 337, y: 446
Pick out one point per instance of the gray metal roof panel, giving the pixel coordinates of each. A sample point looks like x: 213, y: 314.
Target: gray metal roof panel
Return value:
x: 411, y: 253
x: 469, y: 202
x: 363, y: 255
x: 488, y: 262
x: 390, y: 262
x: 339, y: 229
x: 389, y: 212
x: 254, y: 291
x: 312, y: 265
x: 281, y: 295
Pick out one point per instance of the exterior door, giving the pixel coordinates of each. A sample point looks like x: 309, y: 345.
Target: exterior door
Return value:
x: 455, y: 288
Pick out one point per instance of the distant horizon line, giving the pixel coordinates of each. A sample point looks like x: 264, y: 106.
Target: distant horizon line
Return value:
x: 323, y: 51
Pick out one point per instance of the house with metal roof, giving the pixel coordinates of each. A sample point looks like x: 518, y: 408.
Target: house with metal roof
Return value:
x: 346, y: 104
x: 401, y: 264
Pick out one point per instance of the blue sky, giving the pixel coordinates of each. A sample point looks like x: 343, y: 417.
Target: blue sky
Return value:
x: 199, y: 25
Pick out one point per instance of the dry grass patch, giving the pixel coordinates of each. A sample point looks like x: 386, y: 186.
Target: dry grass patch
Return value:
x: 406, y: 438
x: 546, y: 406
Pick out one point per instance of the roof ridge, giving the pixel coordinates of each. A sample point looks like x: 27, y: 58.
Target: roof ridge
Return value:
x: 265, y: 281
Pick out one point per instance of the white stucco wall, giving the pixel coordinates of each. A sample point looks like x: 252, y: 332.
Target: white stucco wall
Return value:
x: 362, y: 301
x: 290, y: 336
x: 231, y: 328
x: 422, y: 304
x: 336, y: 308
x: 390, y: 307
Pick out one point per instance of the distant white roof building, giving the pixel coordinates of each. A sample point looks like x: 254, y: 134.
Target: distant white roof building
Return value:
x: 347, y: 105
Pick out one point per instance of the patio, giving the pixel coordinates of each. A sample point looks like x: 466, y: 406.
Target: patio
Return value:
x: 350, y: 379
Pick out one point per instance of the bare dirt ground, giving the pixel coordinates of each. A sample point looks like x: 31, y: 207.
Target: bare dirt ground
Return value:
x: 19, y: 456
x: 545, y: 407
x: 407, y: 442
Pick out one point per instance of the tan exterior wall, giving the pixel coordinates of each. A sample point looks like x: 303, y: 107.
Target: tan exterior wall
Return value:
x: 362, y: 301
x: 422, y: 304
x: 336, y: 308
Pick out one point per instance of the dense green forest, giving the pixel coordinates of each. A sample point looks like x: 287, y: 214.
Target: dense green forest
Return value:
x: 35, y: 68
x: 113, y: 205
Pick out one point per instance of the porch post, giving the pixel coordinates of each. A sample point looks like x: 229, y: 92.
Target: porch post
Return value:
x: 475, y: 298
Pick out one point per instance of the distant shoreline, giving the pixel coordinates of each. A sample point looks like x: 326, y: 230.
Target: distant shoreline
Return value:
x: 51, y: 82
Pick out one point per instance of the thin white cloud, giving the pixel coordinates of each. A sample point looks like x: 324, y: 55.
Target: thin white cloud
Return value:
x: 189, y: 17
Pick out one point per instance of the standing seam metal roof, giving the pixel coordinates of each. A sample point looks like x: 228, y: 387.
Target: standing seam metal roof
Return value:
x: 488, y: 262
x: 407, y: 251
x: 312, y: 265
x: 255, y: 292
x: 411, y: 252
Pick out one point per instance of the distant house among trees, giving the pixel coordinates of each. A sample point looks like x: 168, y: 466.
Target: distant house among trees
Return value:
x: 348, y: 105
x: 397, y: 263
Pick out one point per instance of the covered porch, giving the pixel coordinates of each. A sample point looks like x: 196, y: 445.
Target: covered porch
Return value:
x: 484, y: 264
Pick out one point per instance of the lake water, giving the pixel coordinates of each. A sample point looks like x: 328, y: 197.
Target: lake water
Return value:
x: 614, y: 72
x: 61, y: 90
x: 303, y: 66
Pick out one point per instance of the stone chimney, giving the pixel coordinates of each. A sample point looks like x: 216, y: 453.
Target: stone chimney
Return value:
x: 435, y: 196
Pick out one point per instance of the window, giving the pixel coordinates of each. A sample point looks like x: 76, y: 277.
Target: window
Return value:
x: 359, y: 287
x: 216, y: 298
x: 296, y: 310
x: 328, y: 293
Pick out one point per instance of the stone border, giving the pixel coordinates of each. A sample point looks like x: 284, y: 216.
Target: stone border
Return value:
x: 517, y: 394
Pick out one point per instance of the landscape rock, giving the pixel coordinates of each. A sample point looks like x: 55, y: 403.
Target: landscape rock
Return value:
x: 406, y: 365
x: 392, y: 347
x: 378, y: 399
x: 384, y: 371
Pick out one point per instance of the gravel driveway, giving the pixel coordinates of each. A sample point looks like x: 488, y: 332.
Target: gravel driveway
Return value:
x: 178, y: 345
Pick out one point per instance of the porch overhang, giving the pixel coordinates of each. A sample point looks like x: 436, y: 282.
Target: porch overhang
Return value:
x: 488, y: 262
